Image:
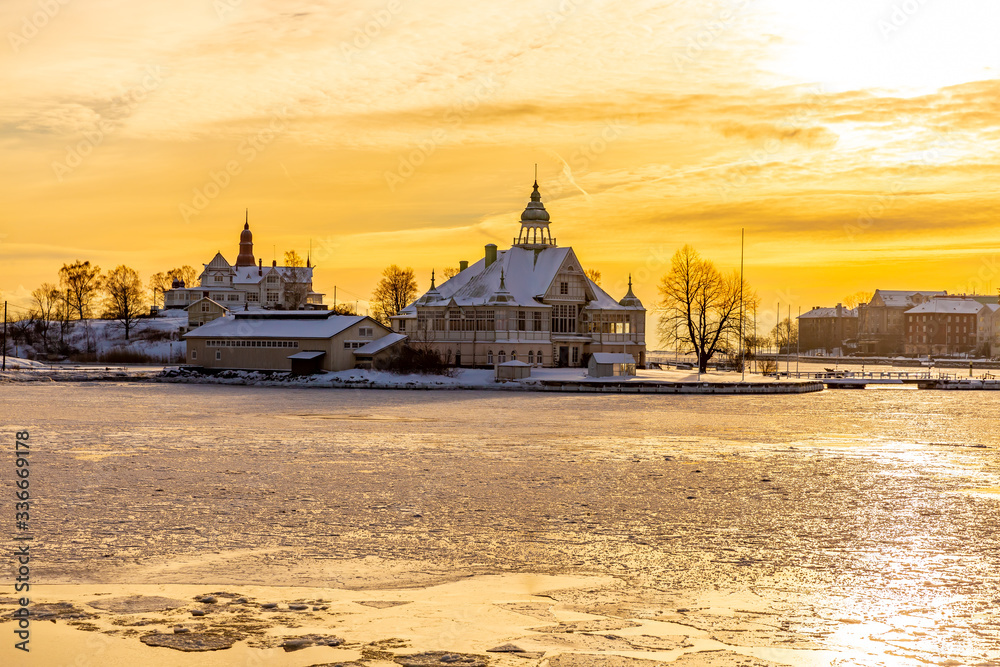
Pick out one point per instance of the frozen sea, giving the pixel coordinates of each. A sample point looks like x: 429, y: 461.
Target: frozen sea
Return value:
x: 864, y: 523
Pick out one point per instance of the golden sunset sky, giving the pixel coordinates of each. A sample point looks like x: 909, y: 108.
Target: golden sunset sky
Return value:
x: 856, y: 141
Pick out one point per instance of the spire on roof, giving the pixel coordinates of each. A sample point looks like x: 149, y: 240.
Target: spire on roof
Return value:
x: 501, y: 297
x: 430, y: 295
x: 630, y: 300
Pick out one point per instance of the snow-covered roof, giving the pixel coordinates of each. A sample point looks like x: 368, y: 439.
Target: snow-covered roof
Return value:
x: 829, y: 312
x: 513, y: 363
x: 218, y: 262
x: 380, y: 344
x: 251, y: 275
x: 276, y: 324
x: 527, y: 274
x: 205, y: 298
x: 311, y: 354
x: 612, y: 358
x: 903, y: 298
x: 961, y: 306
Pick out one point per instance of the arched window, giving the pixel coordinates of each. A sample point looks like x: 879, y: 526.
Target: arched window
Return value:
x: 538, y: 358
x: 513, y: 355
x: 489, y: 356
x: 501, y: 356
x: 531, y: 356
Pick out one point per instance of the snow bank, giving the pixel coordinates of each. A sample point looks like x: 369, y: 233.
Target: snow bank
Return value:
x: 361, y: 378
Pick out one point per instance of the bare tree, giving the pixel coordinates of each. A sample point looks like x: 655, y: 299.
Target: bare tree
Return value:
x: 20, y: 329
x: 296, y: 285
x: 700, y: 307
x: 858, y: 298
x: 82, y: 283
x: 595, y: 276
x: 450, y: 272
x: 125, y: 297
x: 785, y: 335
x: 344, y: 309
x: 158, y: 284
x: 394, y: 291
x: 185, y: 274
x: 46, y: 304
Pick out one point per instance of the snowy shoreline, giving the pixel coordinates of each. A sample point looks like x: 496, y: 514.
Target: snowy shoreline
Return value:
x: 544, y: 379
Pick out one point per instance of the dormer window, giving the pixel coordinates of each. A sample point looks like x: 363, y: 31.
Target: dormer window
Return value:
x: 564, y: 288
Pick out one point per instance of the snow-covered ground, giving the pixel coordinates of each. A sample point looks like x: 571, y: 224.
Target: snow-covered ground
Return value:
x: 465, y: 378
x: 152, y: 337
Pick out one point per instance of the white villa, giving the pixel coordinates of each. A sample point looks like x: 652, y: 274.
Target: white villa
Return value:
x: 532, y: 302
x: 249, y: 284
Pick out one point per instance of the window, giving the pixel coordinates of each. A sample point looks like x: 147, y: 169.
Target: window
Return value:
x: 538, y: 357
x: 564, y: 288
x: 218, y: 355
x: 502, y: 357
x: 521, y: 321
x: 253, y: 296
x: 485, y: 320
x: 272, y: 279
x: 232, y: 297
x: 272, y: 296
x: 576, y: 354
x: 531, y: 356
x: 564, y: 318
x: 438, y: 320
x: 402, y: 324
x: 365, y: 332
x: 489, y: 356
x: 536, y: 321
x: 194, y: 354
x: 513, y: 355
x: 218, y: 279
x: 205, y: 308
x: 454, y: 320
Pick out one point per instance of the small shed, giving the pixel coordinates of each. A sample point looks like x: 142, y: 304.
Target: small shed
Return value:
x: 365, y: 356
x: 307, y: 362
x: 203, y: 311
x: 608, y: 364
x: 513, y: 370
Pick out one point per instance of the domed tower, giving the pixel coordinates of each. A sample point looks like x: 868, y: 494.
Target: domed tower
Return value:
x: 245, y: 258
x: 534, y: 232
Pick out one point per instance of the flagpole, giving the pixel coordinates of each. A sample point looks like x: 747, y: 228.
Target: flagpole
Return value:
x: 743, y: 364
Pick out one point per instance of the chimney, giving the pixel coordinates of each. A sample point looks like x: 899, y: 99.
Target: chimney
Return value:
x: 463, y: 265
x: 491, y: 253
x: 260, y: 267
x: 274, y: 262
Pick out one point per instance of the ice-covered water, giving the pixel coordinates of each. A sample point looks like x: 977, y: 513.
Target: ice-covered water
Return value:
x: 861, y: 520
